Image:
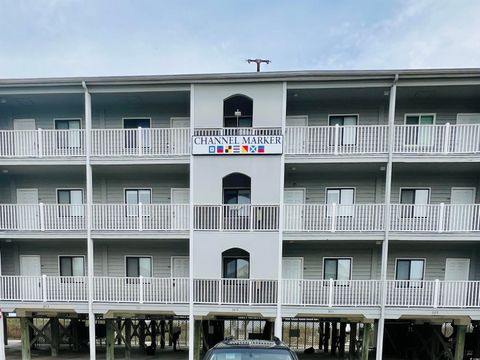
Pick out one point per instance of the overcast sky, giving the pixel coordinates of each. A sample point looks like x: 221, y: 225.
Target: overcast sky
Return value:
x: 132, y: 37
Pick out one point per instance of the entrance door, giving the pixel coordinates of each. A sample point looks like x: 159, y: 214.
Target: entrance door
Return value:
x: 27, y: 215
x: 292, y: 272
x: 180, y: 122
x: 462, y: 217
x: 297, y: 138
x: 180, y: 196
x: 178, y: 139
x: 456, y: 291
x: 30, y: 287
x: 294, y: 217
x: 180, y: 275
x: 26, y: 138
x: 131, y: 125
x: 467, y: 138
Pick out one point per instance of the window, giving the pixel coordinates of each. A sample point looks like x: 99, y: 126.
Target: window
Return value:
x: 72, y: 197
x: 139, y: 266
x: 236, y: 192
x: 419, y: 135
x: 344, y: 198
x: 237, y: 111
x: 72, y: 266
x: 418, y: 198
x: 337, y: 269
x: 410, y: 270
x: 236, y: 264
x: 131, y: 137
x: 68, y: 139
x: 348, y: 133
x: 133, y: 197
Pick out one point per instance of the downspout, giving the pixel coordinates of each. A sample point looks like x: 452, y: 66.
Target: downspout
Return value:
x: 88, y: 185
x: 387, y: 217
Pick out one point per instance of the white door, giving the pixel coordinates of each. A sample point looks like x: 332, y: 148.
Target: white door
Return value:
x: 292, y: 272
x: 26, y: 138
x: 180, y: 267
x: 180, y: 196
x: 294, y: 214
x: 455, y: 290
x: 28, y: 213
x: 30, y: 288
x: 297, y: 138
x: 179, y: 140
x: 461, y: 217
x: 180, y: 122
x: 467, y: 138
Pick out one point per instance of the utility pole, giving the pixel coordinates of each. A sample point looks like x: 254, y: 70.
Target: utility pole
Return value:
x: 258, y: 62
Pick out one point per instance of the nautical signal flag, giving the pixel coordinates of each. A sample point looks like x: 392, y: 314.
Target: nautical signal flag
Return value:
x: 244, y: 149
x: 228, y: 149
x: 219, y: 149
x: 261, y: 148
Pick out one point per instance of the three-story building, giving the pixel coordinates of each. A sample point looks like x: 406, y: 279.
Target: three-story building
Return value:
x: 338, y: 208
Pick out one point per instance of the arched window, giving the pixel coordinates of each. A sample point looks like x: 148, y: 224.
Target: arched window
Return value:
x: 236, y: 189
x: 237, y: 111
x: 236, y: 264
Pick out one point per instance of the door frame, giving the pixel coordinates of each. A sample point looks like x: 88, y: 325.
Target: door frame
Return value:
x: 173, y: 257
x: 458, y: 258
x: 29, y: 256
x: 302, y: 261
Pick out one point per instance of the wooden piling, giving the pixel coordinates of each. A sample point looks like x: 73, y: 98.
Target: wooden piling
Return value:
x: 197, y: 341
x: 128, y: 338
x: 333, y: 348
x: 25, y: 334
x: 326, y: 337
x: 110, y: 340
x: 460, y: 342
x: 162, y: 334
x: 341, y: 344
x: 54, y: 336
x: 353, y: 340
x: 367, y: 327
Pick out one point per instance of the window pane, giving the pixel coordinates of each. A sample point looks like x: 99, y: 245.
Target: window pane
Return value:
x: 346, y: 197
x: 330, y: 271
x: 416, y: 270
x: 61, y: 125
x: 145, y: 267
x: 336, y: 120
x: 77, y: 265
x: 63, y: 197
x: 132, y: 196
x: 243, y: 196
x: 421, y: 197
x: 350, y: 120
x: 230, y: 271
x: 242, y: 269
x: 230, y: 196
x: 426, y: 120
x: 343, y: 269
x: 403, y: 269
x: 74, y: 124
x: 132, y: 267
x: 412, y: 120
x: 333, y: 196
x: 76, y: 197
x: 65, y: 266
x: 407, y: 196
x: 144, y: 196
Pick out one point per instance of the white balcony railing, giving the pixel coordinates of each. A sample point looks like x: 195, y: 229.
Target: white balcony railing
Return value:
x: 435, y: 217
x: 42, y: 217
x: 437, y: 139
x: 160, y: 217
x: 331, y: 292
x: 141, y: 142
x: 141, y: 290
x: 235, y: 291
x: 247, y: 131
x: 335, y: 140
x: 333, y: 217
x: 236, y: 217
x: 42, y: 143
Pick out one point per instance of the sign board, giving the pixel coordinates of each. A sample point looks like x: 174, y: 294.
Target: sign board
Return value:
x: 237, y: 145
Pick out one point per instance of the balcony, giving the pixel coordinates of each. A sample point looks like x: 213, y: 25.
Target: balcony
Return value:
x: 105, y: 143
x: 373, y: 140
x: 105, y: 217
x: 436, y: 218
x: 236, y: 217
x: 422, y: 294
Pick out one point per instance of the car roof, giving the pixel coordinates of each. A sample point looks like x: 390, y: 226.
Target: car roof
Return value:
x: 254, y: 344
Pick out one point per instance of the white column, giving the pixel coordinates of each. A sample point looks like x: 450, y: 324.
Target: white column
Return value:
x: 278, y: 319
x: 2, y: 338
x: 191, y: 319
x: 88, y: 186
x: 388, y: 186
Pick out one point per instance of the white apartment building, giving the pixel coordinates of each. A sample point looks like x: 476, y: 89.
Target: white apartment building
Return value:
x: 345, y: 203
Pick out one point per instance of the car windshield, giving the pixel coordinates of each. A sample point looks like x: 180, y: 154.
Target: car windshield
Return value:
x: 250, y: 354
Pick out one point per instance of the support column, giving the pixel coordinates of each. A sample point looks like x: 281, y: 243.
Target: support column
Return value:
x: 460, y: 342
x: 367, y: 329
x: 476, y: 335
x: 75, y: 334
x: 128, y: 338
x: 89, y: 190
x: 162, y: 334
x: 341, y: 347
x: 353, y: 340
x: 25, y: 334
x: 333, y: 349
x: 3, y: 336
x: 55, y: 336
x: 110, y: 340
x: 326, y: 337
x: 197, y: 339
x: 141, y: 333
